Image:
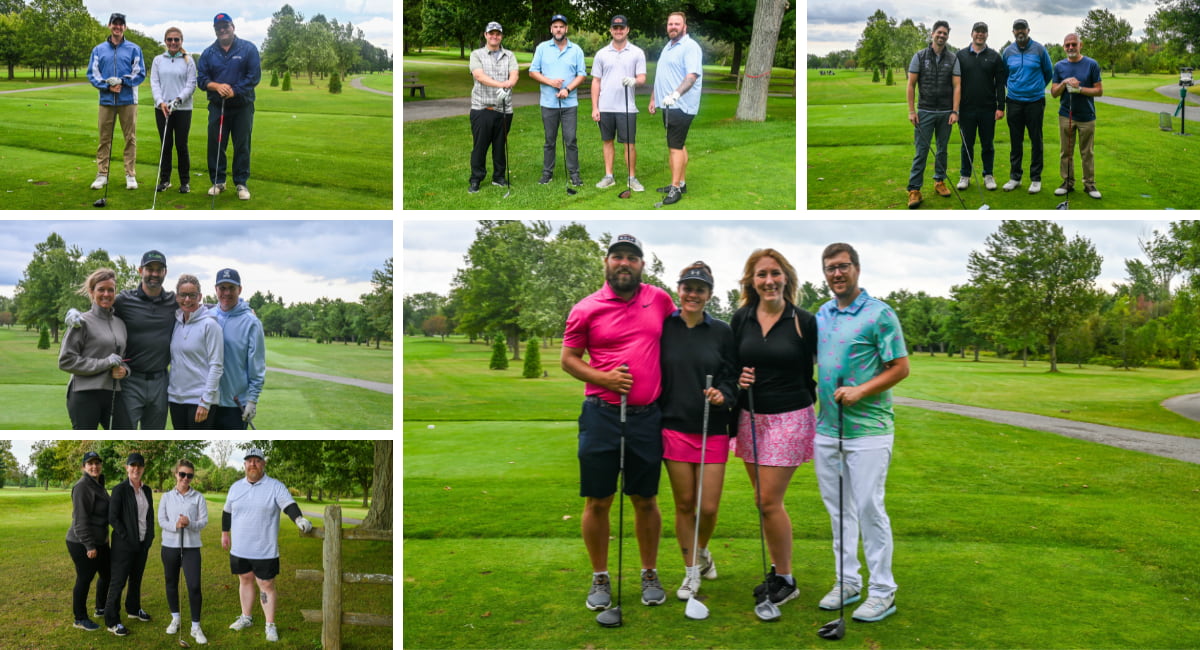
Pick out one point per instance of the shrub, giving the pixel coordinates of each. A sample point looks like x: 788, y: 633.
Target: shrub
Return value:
x: 533, y: 360
x: 499, y: 354
x: 875, y: 77
x: 890, y: 81
x: 44, y: 338
x: 287, y: 80
x: 274, y: 79
x: 335, y: 84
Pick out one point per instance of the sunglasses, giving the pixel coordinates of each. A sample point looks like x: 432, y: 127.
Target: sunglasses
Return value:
x: 174, y: 40
x: 185, y: 475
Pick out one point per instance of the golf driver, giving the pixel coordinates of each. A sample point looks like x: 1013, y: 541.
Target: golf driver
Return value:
x: 667, y: 127
x: 161, y: 150
x: 103, y: 201
x: 695, y: 609
x: 179, y: 632
x: 629, y: 171
x: 570, y: 190
x: 765, y: 610
x: 835, y: 630
x: 971, y: 161
x: 506, y: 123
x: 612, y: 617
x: 220, y: 150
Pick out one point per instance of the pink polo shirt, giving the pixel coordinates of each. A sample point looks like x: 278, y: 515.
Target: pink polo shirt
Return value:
x: 615, y: 332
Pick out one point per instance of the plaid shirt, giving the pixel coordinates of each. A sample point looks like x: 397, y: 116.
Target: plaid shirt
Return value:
x: 498, y: 68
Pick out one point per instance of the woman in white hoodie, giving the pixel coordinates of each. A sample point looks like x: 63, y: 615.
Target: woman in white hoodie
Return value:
x: 172, y: 82
x: 182, y: 514
x: 197, y: 359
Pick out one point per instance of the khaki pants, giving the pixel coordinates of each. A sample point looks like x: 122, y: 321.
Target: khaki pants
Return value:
x: 1066, y: 160
x: 108, y: 118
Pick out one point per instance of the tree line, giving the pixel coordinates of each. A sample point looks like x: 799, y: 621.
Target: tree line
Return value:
x: 318, y: 47
x: 50, y: 286
x: 1171, y: 32
x: 1031, y: 294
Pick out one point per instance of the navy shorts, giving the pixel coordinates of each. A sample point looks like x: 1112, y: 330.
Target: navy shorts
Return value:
x: 600, y: 449
x: 678, y: 123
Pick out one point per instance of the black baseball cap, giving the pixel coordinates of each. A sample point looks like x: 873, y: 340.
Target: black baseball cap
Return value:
x: 135, y: 459
x: 619, y: 21
x: 116, y: 18
x: 980, y: 27
x: 90, y: 456
x: 1020, y: 23
x: 153, y: 256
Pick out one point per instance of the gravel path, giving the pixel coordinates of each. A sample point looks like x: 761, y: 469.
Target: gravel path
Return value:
x: 1186, y: 405
x: 361, y: 383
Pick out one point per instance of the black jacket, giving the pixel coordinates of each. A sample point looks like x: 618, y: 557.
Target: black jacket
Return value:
x: 122, y: 515
x: 984, y: 77
x: 89, y: 513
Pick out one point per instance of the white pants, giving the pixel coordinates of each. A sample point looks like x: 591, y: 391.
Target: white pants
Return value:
x: 866, y: 461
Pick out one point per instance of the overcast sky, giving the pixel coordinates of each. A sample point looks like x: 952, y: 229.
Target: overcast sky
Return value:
x: 928, y: 256
x: 837, y: 24
x: 299, y: 261
x: 250, y: 19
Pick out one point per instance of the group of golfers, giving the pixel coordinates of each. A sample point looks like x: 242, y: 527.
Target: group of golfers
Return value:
x: 976, y: 86
x: 227, y: 71
x: 618, y: 69
x: 249, y: 531
x: 668, y: 384
x: 137, y: 355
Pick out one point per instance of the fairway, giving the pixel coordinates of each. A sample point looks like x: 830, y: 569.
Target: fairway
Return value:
x: 1005, y: 537
x: 310, y: 150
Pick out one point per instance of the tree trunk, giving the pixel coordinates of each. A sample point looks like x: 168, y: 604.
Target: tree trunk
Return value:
x: 1052, y: 343
x: 379, y: 517
x: 752, y: 104
x: 736, y: 66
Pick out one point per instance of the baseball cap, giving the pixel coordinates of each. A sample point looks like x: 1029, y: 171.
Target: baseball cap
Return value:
x: 222, y: 18
x: 558, y: 17
x: 1020, y: 22
x: 135, y: 459
x: 619, y: 21
x: 89, y: 456
x: 979, y: 27
x: 697, y: 273
x: 627, y: 240
x: 493, y: 27
x: 153, y: 256
x: 254, y: 452
x: 116, y: 18
x: 229, y: 276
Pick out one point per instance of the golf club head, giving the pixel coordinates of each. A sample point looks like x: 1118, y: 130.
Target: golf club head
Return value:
x: 184, y: 644
x: 985, y: 207
x: 626, y: 194
x: 767, y: 611
x: 833, y: 630
x: 572, y: 191
x: 610, y: 617
x: 100, y: 203
x: 695, y: 610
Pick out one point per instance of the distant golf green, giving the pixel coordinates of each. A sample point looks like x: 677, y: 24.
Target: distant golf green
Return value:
x: 1005, y: 537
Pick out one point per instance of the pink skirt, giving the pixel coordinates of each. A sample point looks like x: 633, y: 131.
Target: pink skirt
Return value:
x: 685, y: 447
x: 784, y: 439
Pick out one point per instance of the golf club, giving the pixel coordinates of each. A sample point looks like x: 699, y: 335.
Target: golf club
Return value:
x: 765, y: 610
x: 667, y: 127
x: 161, y: 150
x: 971, y: 161
x: 612, y: 617
x: 112, y: 407
x: 629, y: 172
x: 835, y: 630
x: 179, y: 632
x: 695, y: 609
x: 220, y: 150
x: 103, y: 201
x: 570, y: 190
x: 250, y: 422
x: 506, y: 124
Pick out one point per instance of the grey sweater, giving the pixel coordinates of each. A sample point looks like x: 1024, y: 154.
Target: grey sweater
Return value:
x: 86, y: 350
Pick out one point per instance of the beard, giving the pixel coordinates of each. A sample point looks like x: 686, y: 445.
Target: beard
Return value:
x: 623, y: 284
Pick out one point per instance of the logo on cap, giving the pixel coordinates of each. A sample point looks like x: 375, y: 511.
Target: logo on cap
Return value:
x: 493, y: 27
x: 222, y: 18
x: 558, y: 17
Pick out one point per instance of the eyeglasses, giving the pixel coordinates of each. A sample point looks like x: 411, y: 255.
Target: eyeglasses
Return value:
x: 1070, y: 44
x: 190, y: 295
x: 836, y: 268
x: 185, y: 475
x: 174, y: 40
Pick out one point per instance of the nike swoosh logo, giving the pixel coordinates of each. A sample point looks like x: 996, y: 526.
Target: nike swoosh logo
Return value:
x: 645, y: 305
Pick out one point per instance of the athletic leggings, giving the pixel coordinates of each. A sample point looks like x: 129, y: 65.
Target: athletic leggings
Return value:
x: 90, y: 408
x: 85, y: 569
x: 191, y: 571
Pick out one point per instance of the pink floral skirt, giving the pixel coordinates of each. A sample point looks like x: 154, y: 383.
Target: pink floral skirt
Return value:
x: 784, y: 439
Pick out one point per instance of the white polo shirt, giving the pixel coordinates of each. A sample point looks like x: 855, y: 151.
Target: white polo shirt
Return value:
x: 255, y: 508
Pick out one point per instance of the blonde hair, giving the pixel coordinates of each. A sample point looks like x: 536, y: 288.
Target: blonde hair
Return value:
x: 97, y: 276
x: 749, y: 295
x: 177, y: 31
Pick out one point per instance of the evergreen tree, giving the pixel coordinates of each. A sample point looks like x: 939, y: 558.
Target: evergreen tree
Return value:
x: 287, y: 80
x: 44, y: 338
x: 335, y: 84
x: 533, y: 360
x: 274, y: 79
x: 499, y: 354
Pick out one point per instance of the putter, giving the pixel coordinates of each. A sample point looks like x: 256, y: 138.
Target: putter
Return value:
x: 766, y: 610
x: 162, y: 149
x: 220, y: 150
x: 835, y: 630
x: 982, y: 205
x: 667, y: 127
x: 103, y: 201
x: 628, y: 190
x: 506, y: 123
x: 696, y: 610
x: 612, y: 617
x: 179, y: 632
x: 570, y: 190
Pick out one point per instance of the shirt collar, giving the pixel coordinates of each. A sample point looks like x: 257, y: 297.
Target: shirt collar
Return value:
x: 607, y: 293
x: 855, y: 306
x: 678, y: 313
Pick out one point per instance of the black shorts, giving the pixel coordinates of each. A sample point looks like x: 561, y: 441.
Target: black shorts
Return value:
x: 621, y: 125
x: 600, y: 449
x: 263, y: 569
x: 677, y: 127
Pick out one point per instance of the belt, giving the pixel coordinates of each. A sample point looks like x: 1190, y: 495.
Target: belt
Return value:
x: 148, y: 375
x: 629, y: 408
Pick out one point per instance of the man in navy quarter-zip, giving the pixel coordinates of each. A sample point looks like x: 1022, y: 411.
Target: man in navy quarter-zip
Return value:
x: 228, y: 71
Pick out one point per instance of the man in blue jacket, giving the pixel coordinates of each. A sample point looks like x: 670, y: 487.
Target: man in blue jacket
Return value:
x: 228, y: 70
x: 1029, y: 70
x: 245, y: 354
x: 115, y: 70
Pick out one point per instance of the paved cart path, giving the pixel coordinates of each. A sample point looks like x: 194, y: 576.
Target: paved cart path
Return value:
x: 1150, y: 107
x: 361, y: 383
x: 26, y: 90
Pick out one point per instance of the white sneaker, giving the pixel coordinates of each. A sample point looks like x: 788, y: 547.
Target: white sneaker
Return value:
x: 635, y: 185
x: 691, y: 584
x: 1011, y: 185
x: 964, y: 182
x: 876, y: 609
x: 607, y: 181
x: 708, y: 568
x: 100, y: 182
x: 833, y: 599
x: 130, y: 182
x: 173, y: 627
x: 243, y: 193
x: 1061, y: 190
x: 198, y: 635
x: 272, y: 633
x: 242, y: 623
x: 1035, y: 187
x: 216, y: 189
x: 989, y: 182
x: 1093, y: 192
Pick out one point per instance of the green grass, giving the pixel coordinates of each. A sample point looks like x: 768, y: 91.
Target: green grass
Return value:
x: 40, y: 576
x: 860, y: 150
x: 378, y: 81
x: 300, y: 155
x: 1005, y: 537
x: 33, y: 392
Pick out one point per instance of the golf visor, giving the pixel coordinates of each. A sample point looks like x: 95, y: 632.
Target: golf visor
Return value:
x: 696, y: 273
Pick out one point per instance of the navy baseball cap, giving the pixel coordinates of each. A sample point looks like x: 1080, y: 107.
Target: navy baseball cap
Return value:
x: 626, y: 240
x: 558, y: 17
x: 116, y: 18
x: 229, y: 276
x: 91, y: 455
x: 153, y: 256
x: 135, y: 459
x: 222, y: 18
x: 619, y: 21
x: 697, y: 273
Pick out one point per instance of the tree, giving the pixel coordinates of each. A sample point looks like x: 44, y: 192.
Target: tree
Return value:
x: 54, y: 461
x: 49, y: 279
x: 907, y: 39
x: 533, y: 361
x: 729, y: 21
x: 1106, y: 36
x: 12, y: 40
x: 287, y: 81
x: 335, y: 84
x: 499, y: 359
x: 379, y: 515
x: 8, y: 462
x: 875, y: 42
x: 752, y: 103
x: 1176, y: 21
x: 419, y: 307
x: 1033, y: 280
x: 493, y: 287
x: 378, y: 303
x: 436, y: 326
x: 570, y: 268
x: 351, y: 462
x: 219, y: 451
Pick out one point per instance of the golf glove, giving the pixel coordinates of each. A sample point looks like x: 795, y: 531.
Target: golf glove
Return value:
x: 114, y: 360
x: 173, y: 105
x: 629, y: 82
x: 502, y: 95
x: 74, y: 318
x: 112, y: 81
x: 303, y: 524
x: 670, y: 100
x: 1073, y: 89
x: 248, y: 411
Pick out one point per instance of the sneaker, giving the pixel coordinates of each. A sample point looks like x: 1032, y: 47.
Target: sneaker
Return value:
x: 637, y: 187
x: 652, y: 589
x: 242, y: 623
x: 216, y: 189
x: 963, y: 182
x: 185, y: 188
x: 989, y: 182
x: 100, y: 612
x: 141, y: 615
x: 163, y: 186
x: 576, y: 180
x: 473, y: 188
x: 691, y: 584
x: 941, y: 189
x: 914, y: 199
x: 100, y: 182
x: 119, y: 630
x: 708, y: 568
x: 780, y: 590
x: 666, y: 189
x: 198, y: 635
x: 86, y: 624
x: 600, y: 595
x: 1011, y: 185
x: 243, y: 193
x: 761, y: 590
x: 1062, y: 190
x: 499, y: 182
x: 1092, y: 191
x: 841, y: 594
x: 272, y: 633
x: 173, y: 627
x: 130, y: 182
x: 607, y: 181
x: 875, y: 609
x: 673, y: 196
x: 546, y: 178
x: 1035, y: 187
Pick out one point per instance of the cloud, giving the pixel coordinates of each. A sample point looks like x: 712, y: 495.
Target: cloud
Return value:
x: 841, y: 12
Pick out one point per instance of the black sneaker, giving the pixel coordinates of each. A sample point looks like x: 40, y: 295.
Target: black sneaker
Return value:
x: 474, y: 187
x: 546, y: 178
x: 86, y: 624
x: 141, y: 615
x: 673, y: 195
x: 780, y: 590
x: 99, y: 612
x: 119, y: 630
x: 499, y: 182
x: 762, y: 591
x: 185, y: 188
x: 576, y: 180
x: 163, y: 186
x: 666, y: 189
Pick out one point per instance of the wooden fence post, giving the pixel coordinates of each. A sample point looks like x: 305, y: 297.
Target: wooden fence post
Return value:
x: 331, y: 614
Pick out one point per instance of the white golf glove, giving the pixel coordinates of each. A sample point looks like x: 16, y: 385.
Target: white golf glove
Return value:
x: 74, y: 318
x: 112, y: 81
x: 1073, y: 89
x: 248, y: 411
x: 503, y: 94
x: 173, y: 105
x: 670, y: 100
x: 303, y: 524
x: 629, y: 82
x: 114, y: 360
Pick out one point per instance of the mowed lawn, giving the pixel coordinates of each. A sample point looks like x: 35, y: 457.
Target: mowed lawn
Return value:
x: 860, y: 151
x: 311, y: 150
x: 1005, y: 537
x: 39, y: 576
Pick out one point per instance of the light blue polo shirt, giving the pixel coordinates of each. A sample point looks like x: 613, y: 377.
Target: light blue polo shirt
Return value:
x: 565, y: 64
x: 854, y: 343
x: 678, y: 60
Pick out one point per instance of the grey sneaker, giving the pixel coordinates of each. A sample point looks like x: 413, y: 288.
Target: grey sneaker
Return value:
x: 652, y: 589
x: 100, y: 182
x: 600, y: 596
x: 1035, y: 187
x: 834, y: 599
x: 989, y: 182
x: 635, y: 185
x: 876, y: 609
x: 243, y: 193
x: 607, y: 181
x: 708, y: 568
x: 216, y: 189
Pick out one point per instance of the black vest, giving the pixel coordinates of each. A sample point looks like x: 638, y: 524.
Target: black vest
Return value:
x: 935, y: 81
